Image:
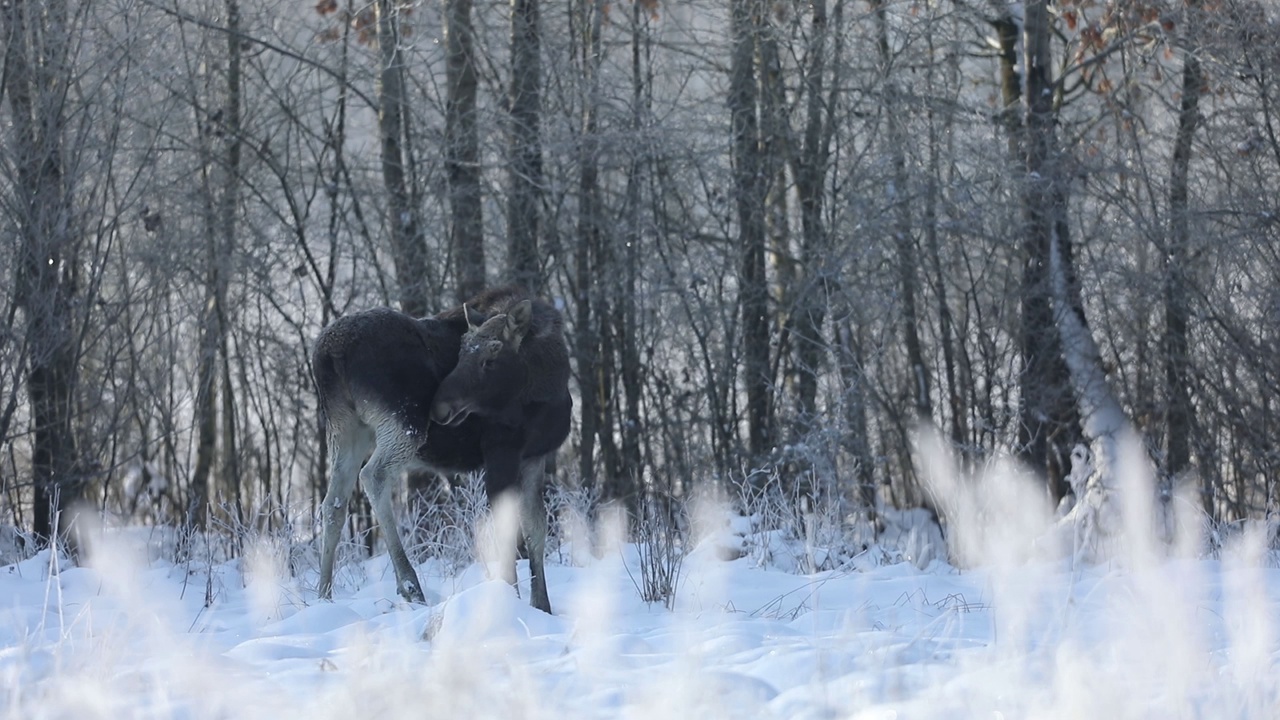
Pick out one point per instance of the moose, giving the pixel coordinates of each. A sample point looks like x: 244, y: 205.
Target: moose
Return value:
x: 484, y: 386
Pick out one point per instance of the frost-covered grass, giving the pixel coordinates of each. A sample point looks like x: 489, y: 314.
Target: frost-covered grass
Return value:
x: 877, y: 633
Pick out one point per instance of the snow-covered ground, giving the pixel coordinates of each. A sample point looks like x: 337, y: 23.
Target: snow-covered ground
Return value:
x: 135, y: 635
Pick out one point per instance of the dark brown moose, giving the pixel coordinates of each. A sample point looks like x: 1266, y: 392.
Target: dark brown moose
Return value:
x: 482, y: 386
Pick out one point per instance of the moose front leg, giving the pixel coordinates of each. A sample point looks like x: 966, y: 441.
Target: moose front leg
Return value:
x: 508, y: 478
x: 501, y: 478
x: 533, y: 522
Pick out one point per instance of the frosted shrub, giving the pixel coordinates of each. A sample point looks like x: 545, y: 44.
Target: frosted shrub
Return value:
x: 444, y: 530
x: 661, y: 549
x: 793, y: 530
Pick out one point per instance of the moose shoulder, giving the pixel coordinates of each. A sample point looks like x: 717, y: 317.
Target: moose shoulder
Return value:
x: 482, y: 386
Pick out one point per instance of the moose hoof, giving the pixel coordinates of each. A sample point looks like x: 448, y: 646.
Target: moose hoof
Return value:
x: 412, y: 593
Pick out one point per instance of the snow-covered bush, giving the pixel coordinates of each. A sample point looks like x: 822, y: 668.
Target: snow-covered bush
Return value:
x: 782, y: 526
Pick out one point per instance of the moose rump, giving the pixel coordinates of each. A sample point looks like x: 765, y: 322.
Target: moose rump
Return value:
x: 494, y: 376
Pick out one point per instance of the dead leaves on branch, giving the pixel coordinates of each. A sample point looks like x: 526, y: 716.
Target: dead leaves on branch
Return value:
x: 364, y: 21
x: 1226, y: 34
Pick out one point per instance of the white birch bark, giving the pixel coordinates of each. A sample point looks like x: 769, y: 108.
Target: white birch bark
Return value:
x: 1114, y: 488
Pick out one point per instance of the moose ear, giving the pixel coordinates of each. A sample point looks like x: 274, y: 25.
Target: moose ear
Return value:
x: 518, y: 319
x: 466, y: 313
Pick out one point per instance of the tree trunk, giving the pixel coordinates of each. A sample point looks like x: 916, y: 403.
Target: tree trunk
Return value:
x: 630, y: 368
x: 775, y: 150
x: 750, y: 188
x: 1050, y: 273
x: 853, y: 379
x: 903, y: 240
x: 810, y: 167
x: 1096, y: 522
x: 230, y: 205
x: 221, y: 185
x: 946, y: 326
x: 1047, y: 428
x: 37, y: 80
x: 1180, y: 415
x: 206, y: 418
x: 462, y: 150
x: 525, y: 170
x: 589, y: 230
x: 408, y: 246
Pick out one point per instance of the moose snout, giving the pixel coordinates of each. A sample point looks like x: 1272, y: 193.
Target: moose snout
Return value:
x: 446, y: 413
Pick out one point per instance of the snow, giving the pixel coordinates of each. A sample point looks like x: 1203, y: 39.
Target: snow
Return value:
x: 132, y: 634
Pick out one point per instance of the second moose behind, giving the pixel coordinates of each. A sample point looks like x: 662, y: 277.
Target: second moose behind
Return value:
x: 511, y: 387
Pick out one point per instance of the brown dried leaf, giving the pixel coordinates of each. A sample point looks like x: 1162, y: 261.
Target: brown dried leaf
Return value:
x: 364, y: 19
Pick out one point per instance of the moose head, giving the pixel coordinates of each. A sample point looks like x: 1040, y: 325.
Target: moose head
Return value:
x: 491, y: 374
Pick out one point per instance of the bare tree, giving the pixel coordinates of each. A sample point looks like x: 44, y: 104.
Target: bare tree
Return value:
x: 39, y: 71
x: 219, y: 137
x: 1105, y: 423
x: 588, y: 236
x: 750, y: 186
x: 462, y: 150
x: 525, y: 146
x: 1180, y: 415
x: 1047, y: 424
x: 901, y: 198
x: 810, y: 166
x: 407, y: 242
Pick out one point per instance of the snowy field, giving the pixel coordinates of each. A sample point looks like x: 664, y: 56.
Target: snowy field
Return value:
x: 132, y: 634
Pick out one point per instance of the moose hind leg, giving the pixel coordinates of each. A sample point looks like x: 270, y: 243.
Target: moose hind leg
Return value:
x: 349, y: 443
x: 390, y: 461
x: 533, y: 521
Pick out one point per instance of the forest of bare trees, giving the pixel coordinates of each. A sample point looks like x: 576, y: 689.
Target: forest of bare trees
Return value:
x: 783, y: 236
